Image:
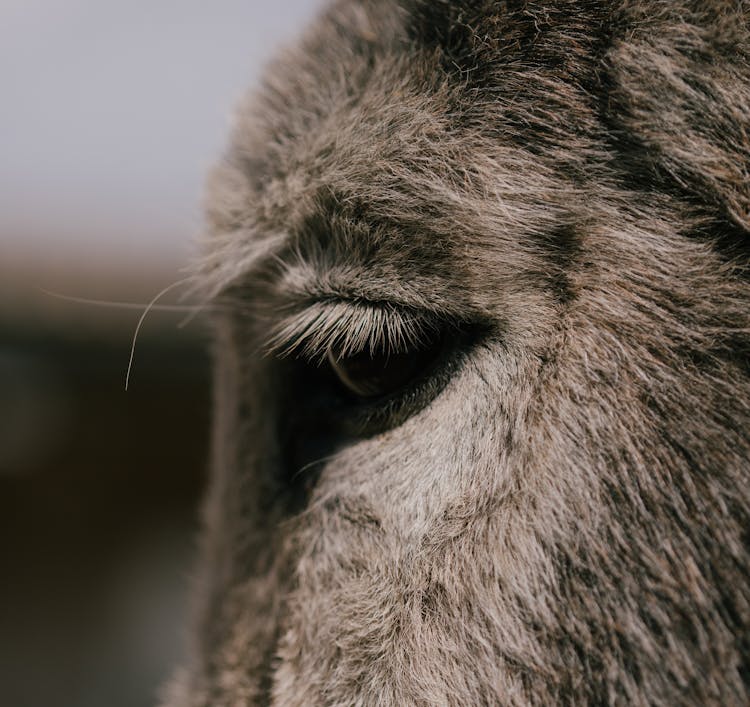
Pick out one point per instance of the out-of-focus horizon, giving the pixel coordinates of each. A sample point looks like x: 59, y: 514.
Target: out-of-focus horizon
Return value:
x: 112, y: 114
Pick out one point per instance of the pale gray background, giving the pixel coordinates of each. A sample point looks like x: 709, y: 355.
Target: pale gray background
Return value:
x: 110, y: 114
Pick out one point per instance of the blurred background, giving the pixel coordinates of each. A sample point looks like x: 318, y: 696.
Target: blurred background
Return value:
x: 110, y: 115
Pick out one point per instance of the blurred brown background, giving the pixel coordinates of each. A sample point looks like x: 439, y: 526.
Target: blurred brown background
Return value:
x: 111, y: 115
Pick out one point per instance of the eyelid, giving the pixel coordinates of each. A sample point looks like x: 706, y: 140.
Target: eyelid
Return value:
x: 350, y: 328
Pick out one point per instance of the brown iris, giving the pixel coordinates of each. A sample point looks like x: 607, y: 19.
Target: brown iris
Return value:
x: 373, y: 374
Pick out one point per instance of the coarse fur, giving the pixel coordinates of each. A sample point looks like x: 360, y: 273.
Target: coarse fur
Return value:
x: 563, y: 518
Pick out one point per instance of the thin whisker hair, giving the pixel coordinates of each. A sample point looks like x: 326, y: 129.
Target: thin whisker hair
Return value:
x: 114, y: 304
x: 142, y: 318
x: 310, y: 465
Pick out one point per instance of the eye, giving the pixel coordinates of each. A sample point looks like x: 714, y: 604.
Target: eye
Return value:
x: 377, y: 374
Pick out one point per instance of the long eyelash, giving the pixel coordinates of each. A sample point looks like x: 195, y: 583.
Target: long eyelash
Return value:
x: 350, y: 328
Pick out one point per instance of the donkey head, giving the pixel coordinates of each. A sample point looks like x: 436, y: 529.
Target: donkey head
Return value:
x: 482, y: 386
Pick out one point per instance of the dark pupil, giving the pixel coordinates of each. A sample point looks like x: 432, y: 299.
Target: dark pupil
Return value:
x: 373, y: 374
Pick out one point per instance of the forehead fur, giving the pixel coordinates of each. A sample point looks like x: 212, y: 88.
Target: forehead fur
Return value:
x: 390, y: 157
x: 438, y: 129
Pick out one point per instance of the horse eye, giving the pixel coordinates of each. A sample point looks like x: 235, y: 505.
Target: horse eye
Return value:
x: 377, y: 374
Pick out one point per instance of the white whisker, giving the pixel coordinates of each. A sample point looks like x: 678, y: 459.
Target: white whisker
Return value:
x: 113, y: 304
x: 149, y: 307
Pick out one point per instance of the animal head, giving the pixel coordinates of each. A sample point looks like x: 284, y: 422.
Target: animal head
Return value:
x: 482, y: 386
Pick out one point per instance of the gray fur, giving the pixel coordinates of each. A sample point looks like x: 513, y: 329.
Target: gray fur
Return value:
x: 565, y: 521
